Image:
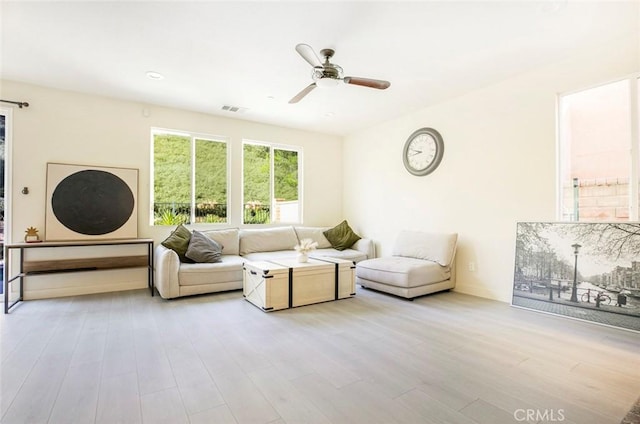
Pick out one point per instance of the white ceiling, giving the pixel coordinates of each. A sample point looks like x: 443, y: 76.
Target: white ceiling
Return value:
x: 241, y: 53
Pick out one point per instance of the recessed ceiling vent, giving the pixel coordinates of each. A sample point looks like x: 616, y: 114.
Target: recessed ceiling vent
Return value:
x: 235, y: 109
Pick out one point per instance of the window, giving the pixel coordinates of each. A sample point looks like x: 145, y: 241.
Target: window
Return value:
x: 598, y: 153
x: 271, y: 189
x: 189, y: 178
x: 3, y: 154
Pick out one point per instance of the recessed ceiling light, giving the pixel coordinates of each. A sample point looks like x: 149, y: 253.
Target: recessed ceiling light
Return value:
x: 156, y: 76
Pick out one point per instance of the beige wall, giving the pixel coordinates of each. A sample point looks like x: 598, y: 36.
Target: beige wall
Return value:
x: 67, y: 127
x: 499, y: 166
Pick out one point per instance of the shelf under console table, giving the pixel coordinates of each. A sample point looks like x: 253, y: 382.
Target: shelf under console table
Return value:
x: 50, y: 266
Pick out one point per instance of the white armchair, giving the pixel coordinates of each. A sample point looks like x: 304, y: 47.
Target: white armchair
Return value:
x: 421, y: 263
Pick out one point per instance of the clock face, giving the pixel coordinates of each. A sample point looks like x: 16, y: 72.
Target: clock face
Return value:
x: 423, y: 151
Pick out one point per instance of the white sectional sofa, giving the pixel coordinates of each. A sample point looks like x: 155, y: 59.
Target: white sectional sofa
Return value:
x: 174, y: 278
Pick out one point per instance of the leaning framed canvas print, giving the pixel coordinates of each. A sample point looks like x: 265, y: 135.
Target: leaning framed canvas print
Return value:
x: 91, y: 202
x: 587, y: 271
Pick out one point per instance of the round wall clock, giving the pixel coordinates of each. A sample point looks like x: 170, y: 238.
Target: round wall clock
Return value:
x: 423, y: 151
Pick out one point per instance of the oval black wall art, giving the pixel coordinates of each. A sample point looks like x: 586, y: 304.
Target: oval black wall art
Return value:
x: 92, y: 202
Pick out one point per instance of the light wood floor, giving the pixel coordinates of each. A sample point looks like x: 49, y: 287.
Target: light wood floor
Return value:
x: 447, y: 358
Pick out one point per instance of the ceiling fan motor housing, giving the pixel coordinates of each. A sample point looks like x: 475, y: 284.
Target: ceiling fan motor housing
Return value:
x: 327, y: 75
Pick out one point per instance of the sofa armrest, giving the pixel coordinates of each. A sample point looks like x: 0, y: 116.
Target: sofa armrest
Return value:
x: 365, y: 246
x: 166, y: 265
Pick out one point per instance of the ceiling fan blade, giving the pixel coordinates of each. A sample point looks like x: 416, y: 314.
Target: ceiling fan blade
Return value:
x: 308, y: 54
x: 367, y: 82
x: 303, y: 93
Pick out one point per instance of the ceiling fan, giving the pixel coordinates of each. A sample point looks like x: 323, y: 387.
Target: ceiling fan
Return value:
x: 328, y: 74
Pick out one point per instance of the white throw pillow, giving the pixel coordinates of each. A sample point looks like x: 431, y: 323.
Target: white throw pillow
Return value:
x: 227, y: 238
x: 267, y: 240
x: 315, y: 234
x: 436, y: 247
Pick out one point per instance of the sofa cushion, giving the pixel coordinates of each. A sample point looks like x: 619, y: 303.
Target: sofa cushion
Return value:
x: 178, y: 241
x: 270, y: 256
x: 341, y: 236
x: 267, y: 240
x: 434, y: 247
x: 203, y: 249
x: 347, y: 254
x: 315, y: 234
x: 228, y: 239
x: 228, y: 269
x: 402, y: 271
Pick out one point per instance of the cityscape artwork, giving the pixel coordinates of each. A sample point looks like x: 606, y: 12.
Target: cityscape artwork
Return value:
x: 587, y: 271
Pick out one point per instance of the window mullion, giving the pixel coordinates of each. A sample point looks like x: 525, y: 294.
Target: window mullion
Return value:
x: 272, y: 184
x: 634, y: 111
x: 192, y: 217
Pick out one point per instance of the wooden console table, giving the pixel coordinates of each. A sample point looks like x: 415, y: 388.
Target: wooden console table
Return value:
x: 39, y: 267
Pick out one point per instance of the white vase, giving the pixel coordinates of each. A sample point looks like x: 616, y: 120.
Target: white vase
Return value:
x: 303, y: 257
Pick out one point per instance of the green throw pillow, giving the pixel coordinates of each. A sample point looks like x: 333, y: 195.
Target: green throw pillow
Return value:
x: 341, y: 236
x: 178, y: 241
x: 202, y: 249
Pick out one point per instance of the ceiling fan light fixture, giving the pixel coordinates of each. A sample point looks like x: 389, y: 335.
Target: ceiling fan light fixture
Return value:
x: 327, y: 82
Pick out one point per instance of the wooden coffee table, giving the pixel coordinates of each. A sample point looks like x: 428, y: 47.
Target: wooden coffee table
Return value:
x: 286, y: 283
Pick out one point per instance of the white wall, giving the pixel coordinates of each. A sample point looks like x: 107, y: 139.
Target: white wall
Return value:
x: 68, y: 127
x: 499, y: 166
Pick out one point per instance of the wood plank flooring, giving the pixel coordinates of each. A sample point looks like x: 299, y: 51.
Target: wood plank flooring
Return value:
x: 447, y: 358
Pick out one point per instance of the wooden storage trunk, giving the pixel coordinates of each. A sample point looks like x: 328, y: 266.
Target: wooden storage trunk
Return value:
x: 266, y: 285
x: 309, y: 282
x: 287, y: 283
x: 346, y: 276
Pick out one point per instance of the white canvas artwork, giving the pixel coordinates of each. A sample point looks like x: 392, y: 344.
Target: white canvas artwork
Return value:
x: 91, y: 202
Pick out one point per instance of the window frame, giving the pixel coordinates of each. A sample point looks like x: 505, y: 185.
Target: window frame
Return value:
x: 633, y: 81
x: 8, y: 166
x: 273, y: 146
x: 193, y: 137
